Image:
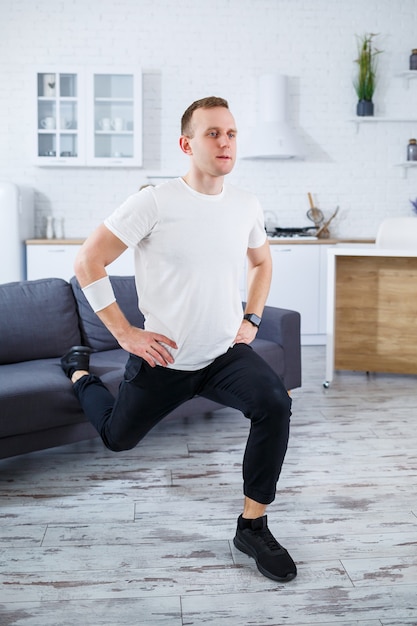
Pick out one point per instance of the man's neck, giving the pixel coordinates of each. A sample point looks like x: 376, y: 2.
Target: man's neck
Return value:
x: 209, y: 185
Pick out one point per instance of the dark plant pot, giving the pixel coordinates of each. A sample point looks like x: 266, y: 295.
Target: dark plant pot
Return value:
x: 365, y: 107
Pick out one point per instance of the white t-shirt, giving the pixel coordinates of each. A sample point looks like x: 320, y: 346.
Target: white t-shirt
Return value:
x: 189, y: 256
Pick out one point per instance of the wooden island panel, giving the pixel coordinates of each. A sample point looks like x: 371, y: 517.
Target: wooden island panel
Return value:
x: 376, y: 314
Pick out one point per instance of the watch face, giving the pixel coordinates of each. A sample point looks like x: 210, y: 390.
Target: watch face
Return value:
x: 253, y: 319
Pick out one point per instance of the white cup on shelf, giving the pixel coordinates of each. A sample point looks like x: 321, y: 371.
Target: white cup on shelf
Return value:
x: 118, y: 123
x: 105, y: 123
x: 66, y: 123
x: 48, y: 123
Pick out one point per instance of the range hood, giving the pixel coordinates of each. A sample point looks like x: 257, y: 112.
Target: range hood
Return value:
x: 272, y: 137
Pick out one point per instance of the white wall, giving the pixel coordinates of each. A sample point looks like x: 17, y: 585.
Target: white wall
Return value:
x: 192, y: 48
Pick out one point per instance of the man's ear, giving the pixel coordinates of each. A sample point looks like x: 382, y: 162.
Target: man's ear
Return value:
x: 185, y: 144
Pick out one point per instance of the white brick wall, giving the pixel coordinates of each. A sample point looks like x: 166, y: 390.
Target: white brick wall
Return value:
x: 192, y: 48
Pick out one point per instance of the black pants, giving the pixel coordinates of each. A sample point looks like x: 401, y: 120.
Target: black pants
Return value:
x: 240, y: 378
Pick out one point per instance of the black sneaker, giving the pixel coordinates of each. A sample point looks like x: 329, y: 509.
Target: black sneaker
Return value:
x: 254, y: 538
x: 77, y: 358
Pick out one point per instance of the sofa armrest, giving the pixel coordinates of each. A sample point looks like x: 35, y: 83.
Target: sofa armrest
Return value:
x: 283, y: 327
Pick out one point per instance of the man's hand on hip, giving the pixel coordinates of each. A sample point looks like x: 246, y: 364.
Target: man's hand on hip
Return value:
x: 148, y: 345
x: 246, y: 333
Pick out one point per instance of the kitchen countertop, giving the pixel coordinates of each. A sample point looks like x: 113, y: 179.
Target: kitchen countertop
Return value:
x: 372, y: 252
x: 51, y: 242
x: 272, y: 240
x: 310, y: 240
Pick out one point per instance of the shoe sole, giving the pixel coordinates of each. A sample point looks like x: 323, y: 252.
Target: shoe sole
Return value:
x: 247, y: 550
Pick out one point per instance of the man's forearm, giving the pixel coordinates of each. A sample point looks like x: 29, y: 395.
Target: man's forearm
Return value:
x: 259, y: 282
x: 115, y: 321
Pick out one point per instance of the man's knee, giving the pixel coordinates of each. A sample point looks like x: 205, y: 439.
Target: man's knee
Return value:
x: 273, y: 406
x: 120, y: 445
x: 271, y: 392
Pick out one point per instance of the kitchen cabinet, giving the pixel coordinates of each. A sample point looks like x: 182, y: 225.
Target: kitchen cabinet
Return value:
x: 114, y: 117
x: 323, y: 262
x: 89, y: 118
x: 47, y: 261
x: 56, y: 259
x: 60, y: 120
x: 299, y: 283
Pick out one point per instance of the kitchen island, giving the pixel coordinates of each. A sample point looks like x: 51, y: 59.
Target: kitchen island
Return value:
x: 371, y: 311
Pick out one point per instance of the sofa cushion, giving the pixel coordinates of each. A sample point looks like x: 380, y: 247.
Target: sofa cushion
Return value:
x: 36, y: 396
x: 94, y: 333
x: 38, y: 320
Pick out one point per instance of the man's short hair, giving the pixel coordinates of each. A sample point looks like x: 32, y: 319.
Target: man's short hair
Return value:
x: 205, y: 103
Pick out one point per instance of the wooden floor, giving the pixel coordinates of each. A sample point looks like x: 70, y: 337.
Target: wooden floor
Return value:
x: 89, y: 537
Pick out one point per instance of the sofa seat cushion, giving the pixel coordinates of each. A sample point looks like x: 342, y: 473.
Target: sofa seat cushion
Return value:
x: 36, y: 395
x: 38, y: 320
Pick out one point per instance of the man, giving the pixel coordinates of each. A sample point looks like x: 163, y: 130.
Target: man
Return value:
x: 190, y: 237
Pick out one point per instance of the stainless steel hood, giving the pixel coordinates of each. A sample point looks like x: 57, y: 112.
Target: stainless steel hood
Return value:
x: 272, y: 137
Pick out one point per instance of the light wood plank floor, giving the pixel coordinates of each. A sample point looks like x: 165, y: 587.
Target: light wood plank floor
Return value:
x: 144, y: 538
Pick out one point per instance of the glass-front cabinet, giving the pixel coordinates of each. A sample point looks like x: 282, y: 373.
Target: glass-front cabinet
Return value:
x: 60, y: 129
x: 116, y: 120
x: 89, y: 118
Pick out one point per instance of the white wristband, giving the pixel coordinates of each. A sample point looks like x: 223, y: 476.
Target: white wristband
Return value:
x: 99, y: 294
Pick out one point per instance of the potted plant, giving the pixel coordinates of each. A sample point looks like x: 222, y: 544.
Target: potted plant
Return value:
x: 365, y: 81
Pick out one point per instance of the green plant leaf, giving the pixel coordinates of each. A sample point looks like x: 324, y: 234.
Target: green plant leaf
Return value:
x: 367, y: 62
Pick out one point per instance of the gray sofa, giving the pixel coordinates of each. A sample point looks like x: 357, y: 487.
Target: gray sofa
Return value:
x: 41, y: 319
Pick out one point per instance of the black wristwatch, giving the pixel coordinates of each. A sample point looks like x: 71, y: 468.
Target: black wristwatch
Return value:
x: 253, y: 319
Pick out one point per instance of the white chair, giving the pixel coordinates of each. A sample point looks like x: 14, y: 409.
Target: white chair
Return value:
x: 397, y: 233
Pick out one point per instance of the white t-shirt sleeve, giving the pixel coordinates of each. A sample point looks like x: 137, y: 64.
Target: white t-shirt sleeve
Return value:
x: 134, y: 219
x: 257, y: 236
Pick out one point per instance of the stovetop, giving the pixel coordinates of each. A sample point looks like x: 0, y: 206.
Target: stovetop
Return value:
x: 307, y: 232
x: 295, y: 236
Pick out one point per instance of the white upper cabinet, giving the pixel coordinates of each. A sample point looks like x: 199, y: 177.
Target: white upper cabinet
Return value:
x: 114, y: 119
x: 87, y: 118
x: 60, y: 128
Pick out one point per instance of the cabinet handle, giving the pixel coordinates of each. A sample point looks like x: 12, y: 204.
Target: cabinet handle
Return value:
x: 55, y: 251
